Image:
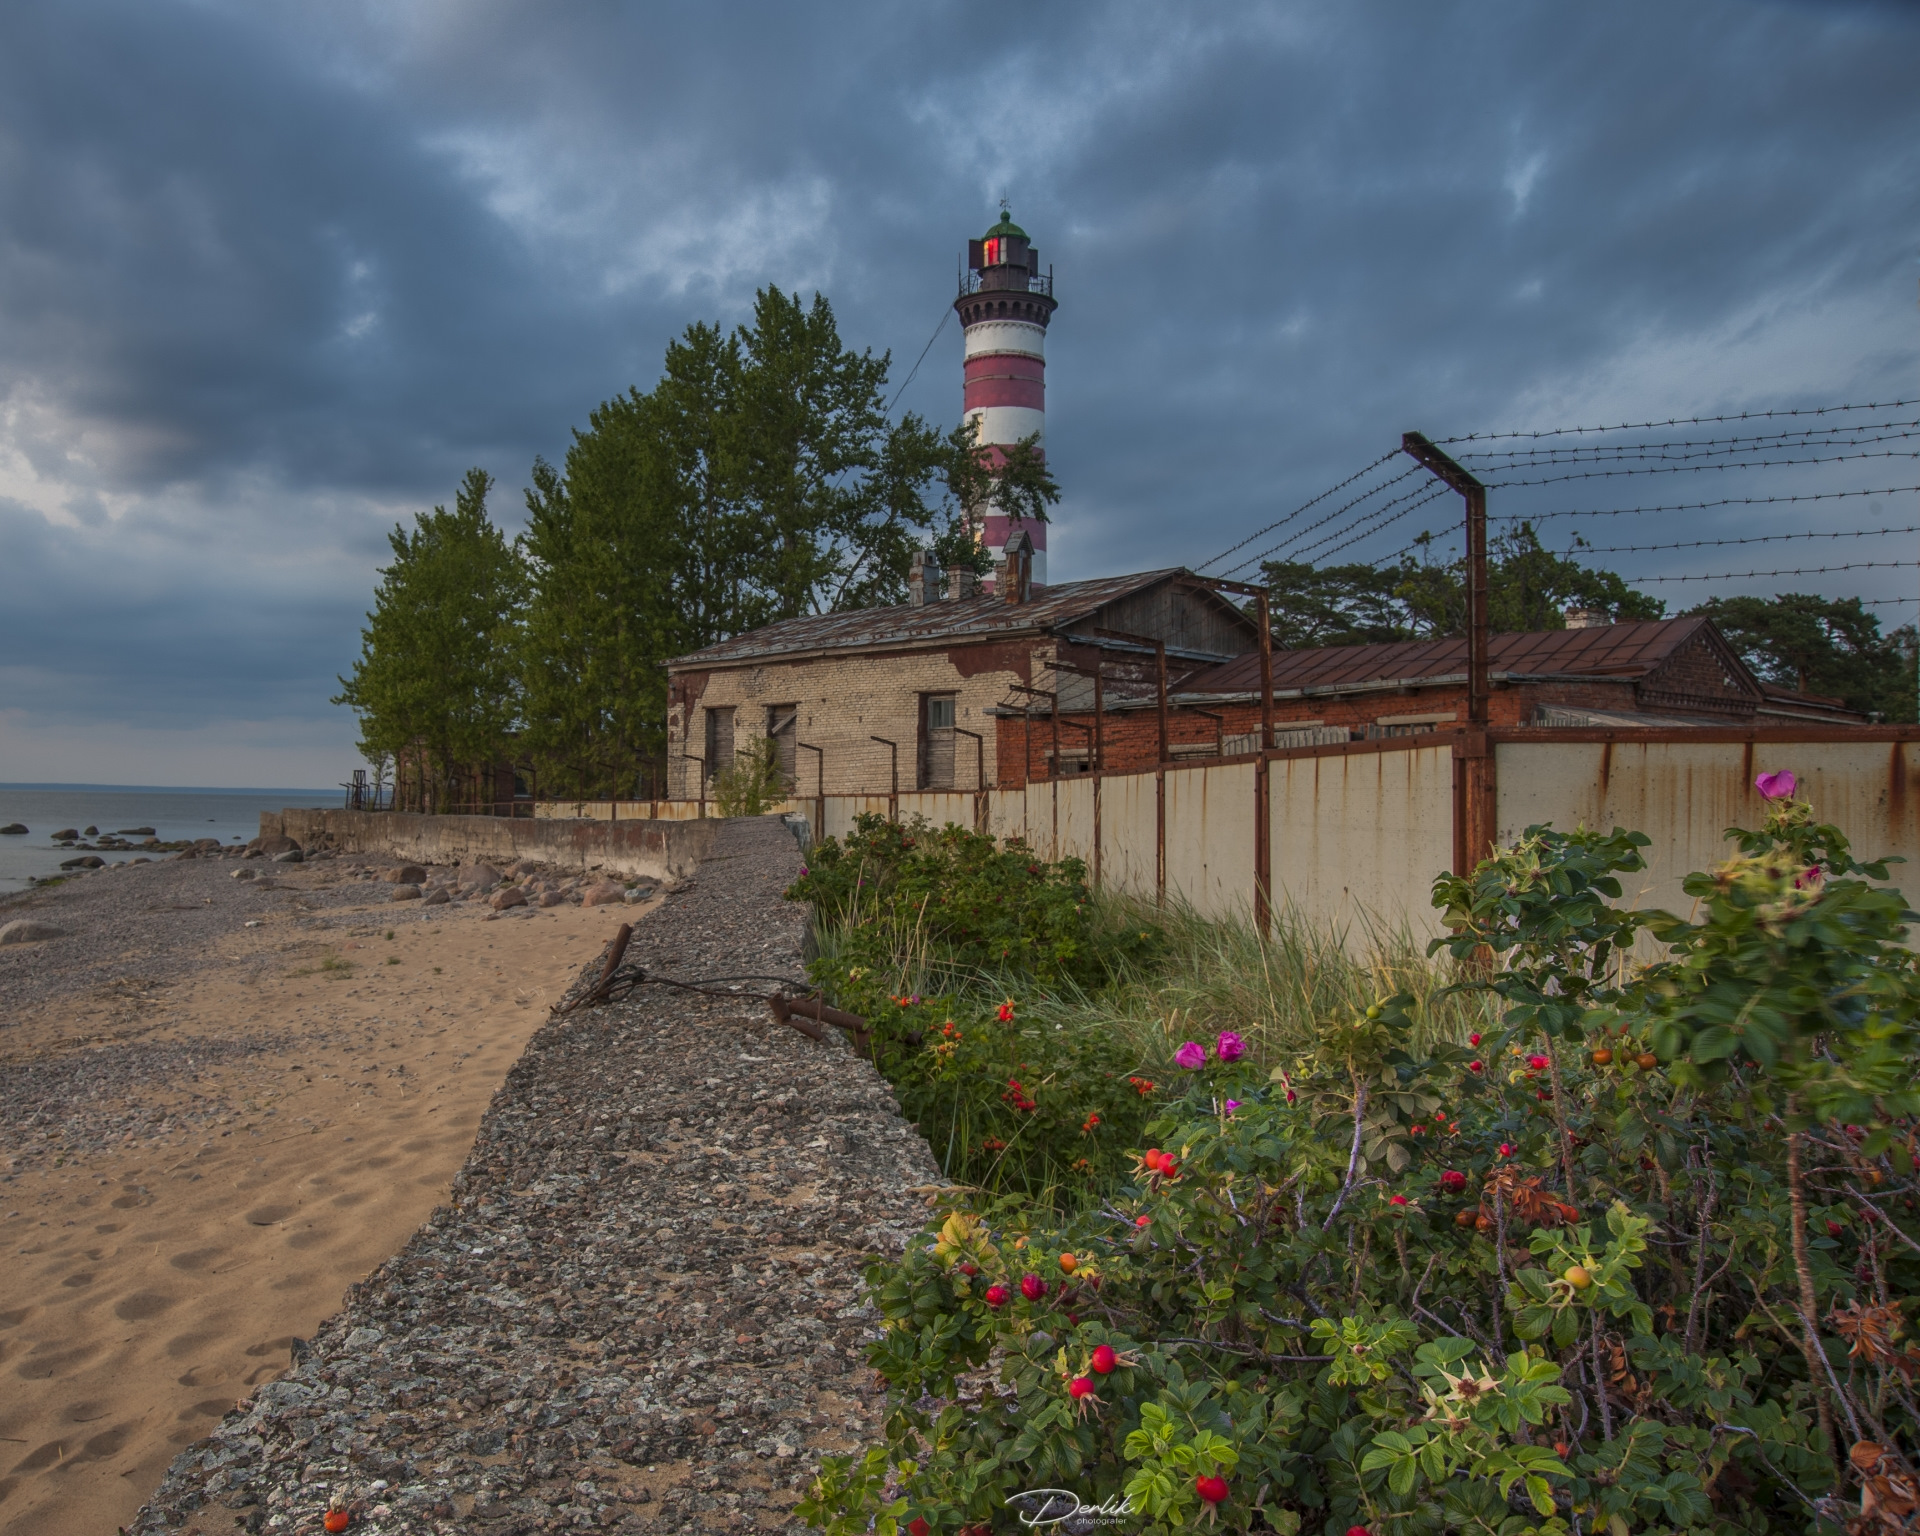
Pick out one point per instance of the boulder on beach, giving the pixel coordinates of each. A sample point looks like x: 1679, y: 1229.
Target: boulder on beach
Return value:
x: 404, y: 893
x: 404, y: 874
x: 13, y: 829
x: 552, y: 899
x: 89, y: 861
x: 29, y: 930
x: 482, y: 877
x: 290, y: 856
x: 271, y: 844
x: 603, y: 893
x: 507, y: 896
x: 437, y: 897
x: 525, y: 867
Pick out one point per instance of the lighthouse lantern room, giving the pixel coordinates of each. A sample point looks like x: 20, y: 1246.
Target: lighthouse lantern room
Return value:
x: 1004, y: 305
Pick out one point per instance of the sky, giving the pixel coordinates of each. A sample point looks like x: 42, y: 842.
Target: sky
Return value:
x: 273, y: 276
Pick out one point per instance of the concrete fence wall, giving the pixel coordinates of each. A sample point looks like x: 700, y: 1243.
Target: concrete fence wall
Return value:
x: 1354, y: 834
x: 659, y: 849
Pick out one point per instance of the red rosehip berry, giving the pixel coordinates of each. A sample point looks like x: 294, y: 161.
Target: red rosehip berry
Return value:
x: 1153, y: 1157
x: 1081, y: 1386
x: 1104, y: 1359
x: 1032, y: 1287
x: 1538, y: 1062
x: 996, y: 1296
x: 1358, y: 1530
x: 1476, y: 1066
x: 1506, y: 1149
x: 1396, y: 1200
x: 1473, y: 1039
x: 1143, y: 1221
x: 1211, y: 1489
x: 1453, y: 1181
x: 918, y: 1526
x: 969, y: 1270
x: 1834, y: 1229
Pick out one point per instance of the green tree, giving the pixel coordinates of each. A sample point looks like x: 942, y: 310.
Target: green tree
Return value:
x: 1822, y: 645
x: 759, y: 480
x: 1528, y: 589
x: 436, y: 671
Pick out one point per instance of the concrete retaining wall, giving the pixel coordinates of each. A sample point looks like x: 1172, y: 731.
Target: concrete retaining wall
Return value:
x: 661, y: 850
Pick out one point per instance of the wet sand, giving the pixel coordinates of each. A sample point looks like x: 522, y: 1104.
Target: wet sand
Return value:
x: 245, y: 1140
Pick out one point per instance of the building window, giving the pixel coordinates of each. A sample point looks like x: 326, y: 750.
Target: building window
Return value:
x: 719, y: 743
x: 783, y: 730
x: 936, y: 740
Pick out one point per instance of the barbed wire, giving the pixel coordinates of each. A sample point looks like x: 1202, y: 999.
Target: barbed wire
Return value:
x: 1757, y: 538
x: 1345, y: 507
x: 1367, y: 533
x: 1305, y: 506
x: 1541, y: 458
x: 1814, y: 570
x: 1700, y: 506
x: 1683, y: 469
x: 1682, y: 421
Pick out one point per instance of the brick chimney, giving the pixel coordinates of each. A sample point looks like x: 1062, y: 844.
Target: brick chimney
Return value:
x: 1016, y: 569
x: 923, y: 578
x: 1587, y: 618
x: 961, y: 584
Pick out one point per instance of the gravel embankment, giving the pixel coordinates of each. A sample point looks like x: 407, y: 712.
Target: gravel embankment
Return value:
x: 642, y: 1311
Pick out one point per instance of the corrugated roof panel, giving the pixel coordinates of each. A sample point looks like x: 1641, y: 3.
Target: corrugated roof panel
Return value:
x: 980, y: 617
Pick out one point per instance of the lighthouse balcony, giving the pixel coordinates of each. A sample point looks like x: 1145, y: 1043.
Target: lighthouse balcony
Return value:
x: 1006, y: 279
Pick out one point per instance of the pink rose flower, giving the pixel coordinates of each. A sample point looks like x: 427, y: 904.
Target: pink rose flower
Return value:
x: 1192, y: 1055
x: 1776, y: 786
x: 1230, y: 1046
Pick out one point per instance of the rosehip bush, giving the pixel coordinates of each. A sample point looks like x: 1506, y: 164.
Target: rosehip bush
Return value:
x: 1505, y: 1287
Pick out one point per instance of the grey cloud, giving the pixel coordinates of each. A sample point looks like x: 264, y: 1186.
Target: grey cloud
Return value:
x: 272, y: 278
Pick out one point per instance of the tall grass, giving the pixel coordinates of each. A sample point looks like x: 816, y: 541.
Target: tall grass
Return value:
x: 1191, y: 979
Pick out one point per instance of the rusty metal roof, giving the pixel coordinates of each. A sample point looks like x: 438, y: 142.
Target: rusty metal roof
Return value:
x: 1608, y: 650
x: 984, y: 617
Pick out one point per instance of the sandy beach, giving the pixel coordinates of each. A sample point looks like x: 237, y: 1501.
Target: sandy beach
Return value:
x: 222, y: 1103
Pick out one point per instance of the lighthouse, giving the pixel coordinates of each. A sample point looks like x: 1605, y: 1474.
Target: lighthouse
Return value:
x: 1004, y: 305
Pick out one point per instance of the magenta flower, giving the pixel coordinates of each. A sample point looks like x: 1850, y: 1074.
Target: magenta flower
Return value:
x: 1232, y: 1105
x: 1776, y: 786
x: 1192, y: 1055
x: 1230, y: 1046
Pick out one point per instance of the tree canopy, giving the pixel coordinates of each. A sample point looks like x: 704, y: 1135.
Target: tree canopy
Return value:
x: 436, y: 671
x: 1822, y: 645
x: 1418, y: 598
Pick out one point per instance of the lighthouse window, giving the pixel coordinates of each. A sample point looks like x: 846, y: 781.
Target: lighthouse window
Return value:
x: 992, y: 252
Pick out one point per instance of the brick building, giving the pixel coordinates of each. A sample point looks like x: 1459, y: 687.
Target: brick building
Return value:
x: 1666, y: 672
x: 908, y: 697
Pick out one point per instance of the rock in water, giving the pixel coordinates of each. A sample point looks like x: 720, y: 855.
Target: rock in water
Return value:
x: 507, y: 896
x: 136, y: 832
x: 91, y: 832
x: 91, y: 861
x: 13, y: 829
x: 66, y: 834
x: 29, y: 930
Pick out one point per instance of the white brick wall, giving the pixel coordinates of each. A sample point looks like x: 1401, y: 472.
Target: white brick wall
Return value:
x: 844, y: 701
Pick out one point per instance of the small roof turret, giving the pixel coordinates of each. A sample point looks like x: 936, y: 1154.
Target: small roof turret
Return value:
x: 1006, y: 226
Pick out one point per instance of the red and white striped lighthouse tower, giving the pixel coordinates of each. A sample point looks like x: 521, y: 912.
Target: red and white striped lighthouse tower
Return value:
x: 1004, y: 305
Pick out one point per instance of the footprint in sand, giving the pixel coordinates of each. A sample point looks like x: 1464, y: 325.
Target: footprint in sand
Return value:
x: 142, y: 1305
x: 268, y: 1215
x: 313, y: 1237
x: 47, y: 1361
x: 16, y: 1317
x: 85, y: 1413
x: 210, y: 1408
x: 195, y: 1259
x: 74, y: 1282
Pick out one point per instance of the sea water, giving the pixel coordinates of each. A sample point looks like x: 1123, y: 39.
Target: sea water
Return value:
x: 176, y: 815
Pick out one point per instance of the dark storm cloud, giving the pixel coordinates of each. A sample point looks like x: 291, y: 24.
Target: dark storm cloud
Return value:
x: 270, y: 279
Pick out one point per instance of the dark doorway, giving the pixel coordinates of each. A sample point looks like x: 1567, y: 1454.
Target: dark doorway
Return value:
x: 783, y: 731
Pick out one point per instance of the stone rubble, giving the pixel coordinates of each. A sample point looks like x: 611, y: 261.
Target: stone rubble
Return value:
x: 643, y: 1310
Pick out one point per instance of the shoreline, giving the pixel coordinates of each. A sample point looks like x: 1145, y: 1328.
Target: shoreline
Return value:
x: 641, y: 1308
x: 225, y: 1102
